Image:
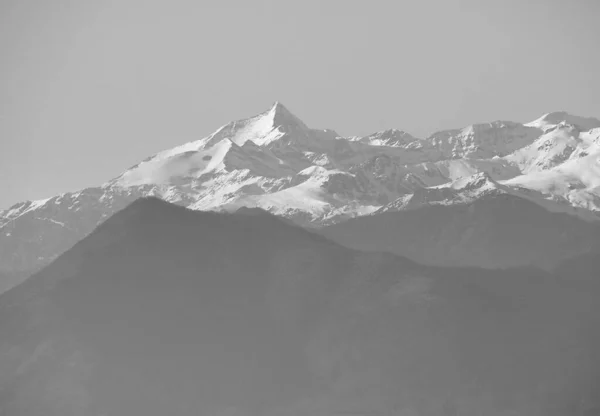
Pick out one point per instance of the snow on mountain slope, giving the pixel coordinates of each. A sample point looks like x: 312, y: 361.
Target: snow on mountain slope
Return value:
x: 163, y: 169
x: 564, y: 163
x: 238, y: 145
x: 315, y: 177
x: 316, y: 196
x: 461, y: 191
x: 20, y: 209
x: 469, y: 189
x: 482, y: 141
x: 391, y: 137
x: 556, y: 146
x: 577, y: 180
x: 551, y: 120
x: 549, y: 150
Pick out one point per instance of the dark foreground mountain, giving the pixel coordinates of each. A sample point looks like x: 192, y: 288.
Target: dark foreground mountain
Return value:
x: 495, y: 231
x: 165, y: 311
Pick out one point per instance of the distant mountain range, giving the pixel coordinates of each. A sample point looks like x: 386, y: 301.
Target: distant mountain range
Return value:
x: 166, y: 311
x: 316, y: 178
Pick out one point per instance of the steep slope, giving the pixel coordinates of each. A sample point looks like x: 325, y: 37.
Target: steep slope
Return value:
x: 494, y: 230
x: 38, y: 232
x: 275, y: 162
x: 162, y: 310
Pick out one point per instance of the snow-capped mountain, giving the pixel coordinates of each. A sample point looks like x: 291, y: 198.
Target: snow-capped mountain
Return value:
x: 275, y: 162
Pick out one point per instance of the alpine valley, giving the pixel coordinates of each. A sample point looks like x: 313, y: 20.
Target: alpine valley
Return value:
x: 547, y: 170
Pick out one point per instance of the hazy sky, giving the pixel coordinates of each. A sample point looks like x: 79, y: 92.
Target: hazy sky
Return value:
x: 90, y: 87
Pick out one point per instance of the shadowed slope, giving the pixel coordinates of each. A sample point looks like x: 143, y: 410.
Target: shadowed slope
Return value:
x: 162, y: 311
x: 496, y: 231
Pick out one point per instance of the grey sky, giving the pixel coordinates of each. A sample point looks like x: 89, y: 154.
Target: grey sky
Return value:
x: 90, y: 87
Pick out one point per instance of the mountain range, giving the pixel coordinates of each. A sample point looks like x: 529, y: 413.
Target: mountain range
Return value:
x: 162, y: 310
x: 497, y: 230
x: 316, y: 178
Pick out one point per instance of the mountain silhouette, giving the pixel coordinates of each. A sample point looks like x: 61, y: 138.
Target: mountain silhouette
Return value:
x: 495, y: 231
x: 167, y: 311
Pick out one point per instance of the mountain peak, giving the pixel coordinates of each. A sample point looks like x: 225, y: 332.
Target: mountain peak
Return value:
x: 475, y: 181
x: 278, y: 106
x: 553, y: 119
x: 282, y: 117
